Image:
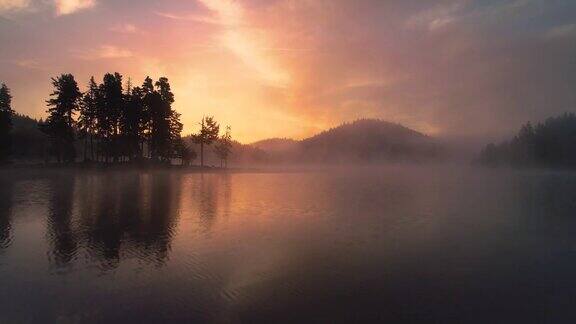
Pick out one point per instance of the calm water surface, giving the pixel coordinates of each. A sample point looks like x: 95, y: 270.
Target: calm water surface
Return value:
x: 396, y: 244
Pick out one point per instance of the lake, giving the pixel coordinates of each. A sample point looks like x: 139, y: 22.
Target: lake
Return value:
x: 388, y: 244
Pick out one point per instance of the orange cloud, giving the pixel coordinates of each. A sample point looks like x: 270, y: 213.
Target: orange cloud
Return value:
x: 29, y: 64
x: 103, y: 52
x: 189, y: 17
x: 292, y: 67
x: 12, y: 5
x: 237, y: 38
x: 125, y: 28
x: 65, y: 7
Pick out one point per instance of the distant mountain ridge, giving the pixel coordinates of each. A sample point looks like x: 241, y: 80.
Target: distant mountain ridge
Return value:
x: 276, y: 144
x: 364, y: 140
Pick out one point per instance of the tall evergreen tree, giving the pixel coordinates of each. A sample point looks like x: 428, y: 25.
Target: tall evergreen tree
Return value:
x: 165, y: 126
x: 88, y: 117
x: 175, y: 126
x: 101, y: 128
x: 175, y: 131
x: 209, y: 130
x: 110, y: 112
x: 159, y: 126
x: 223, y: 147
x: 5, y: 121
x: 59, y: 125
x: 132, y: 123
x: 147, y: 101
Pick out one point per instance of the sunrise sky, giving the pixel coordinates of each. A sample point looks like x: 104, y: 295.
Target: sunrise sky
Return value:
x: 290, y: 68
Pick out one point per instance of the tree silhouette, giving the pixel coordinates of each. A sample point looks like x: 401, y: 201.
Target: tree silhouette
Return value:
x: 209, y: 130
x: 5, y: 121
x: 116, y: 124
x: 147, y: 98
x: 88, y: 117
x: 223, y: 147
x: 175, y: 130
x: 132, y: 123
x: 173, y: 117
x: 59, y: 125
x: 165, y: 126
x: 548, y: 144
x: 184, y: 152
x: 28, y: 142
x: 113, y: 102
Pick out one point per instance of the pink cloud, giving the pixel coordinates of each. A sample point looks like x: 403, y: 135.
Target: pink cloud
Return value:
x: 66, y: 7
x: 103, y: 52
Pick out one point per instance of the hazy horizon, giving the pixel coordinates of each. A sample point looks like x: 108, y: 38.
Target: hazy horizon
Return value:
x: 287, y: 161
x: 286, y: 68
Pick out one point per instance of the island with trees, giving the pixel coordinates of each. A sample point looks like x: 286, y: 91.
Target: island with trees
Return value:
x: 112, y: 122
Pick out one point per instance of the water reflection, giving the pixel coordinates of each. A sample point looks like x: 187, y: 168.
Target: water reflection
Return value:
x: 133, y: 216
x: 115, y: 217
x: 553, y: 195
x: 155, y: 228
x: 62, y: 236
x: 6, y: 193
x: 208, y: 204
x: 407, y: 245
x: 110, y: 217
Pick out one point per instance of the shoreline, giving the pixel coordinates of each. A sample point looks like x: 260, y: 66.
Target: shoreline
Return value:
x: 97, y: 167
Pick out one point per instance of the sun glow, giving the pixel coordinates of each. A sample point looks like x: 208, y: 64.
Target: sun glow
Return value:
x: 292, y: 68
x: 236, y: 37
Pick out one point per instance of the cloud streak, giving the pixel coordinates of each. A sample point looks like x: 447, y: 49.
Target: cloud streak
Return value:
x: 7, y: 6
x: 125, y: 28
x: 103, y: 52
x: 189, y: 17
x: 452, y: 67
x: 66, y: 7
x: 236, y: 37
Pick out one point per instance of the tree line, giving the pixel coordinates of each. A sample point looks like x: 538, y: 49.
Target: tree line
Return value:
x: 6, y: 113
x: 113, y: 122
x: 548, y: 144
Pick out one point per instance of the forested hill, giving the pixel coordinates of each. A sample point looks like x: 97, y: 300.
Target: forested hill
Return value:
x: 370, y: 140
x: 28, y: 142
x: 276, y: 144
x: 365, y: 140
x: 551, y: 143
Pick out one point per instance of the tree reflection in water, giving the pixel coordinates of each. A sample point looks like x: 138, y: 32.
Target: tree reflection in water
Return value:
x: 114, y: 218
x: 6, y: 193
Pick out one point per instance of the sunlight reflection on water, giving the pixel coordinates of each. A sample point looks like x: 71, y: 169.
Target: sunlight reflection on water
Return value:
x: 394, y: 243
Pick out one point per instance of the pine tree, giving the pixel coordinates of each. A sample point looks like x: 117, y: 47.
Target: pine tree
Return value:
x: 147, y: 101
x: 132, y: 122
x: 209, y: 130
x: 120, y: 122
x: 5, y: 121
x: 223, y: 147
x: 165, y: 126
x: 110, y: 112
x: 59, y: 125
x: 88, y: 117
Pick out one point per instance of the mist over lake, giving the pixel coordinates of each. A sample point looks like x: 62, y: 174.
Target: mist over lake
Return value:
x: 287, y: 161
x: 395, y: 243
